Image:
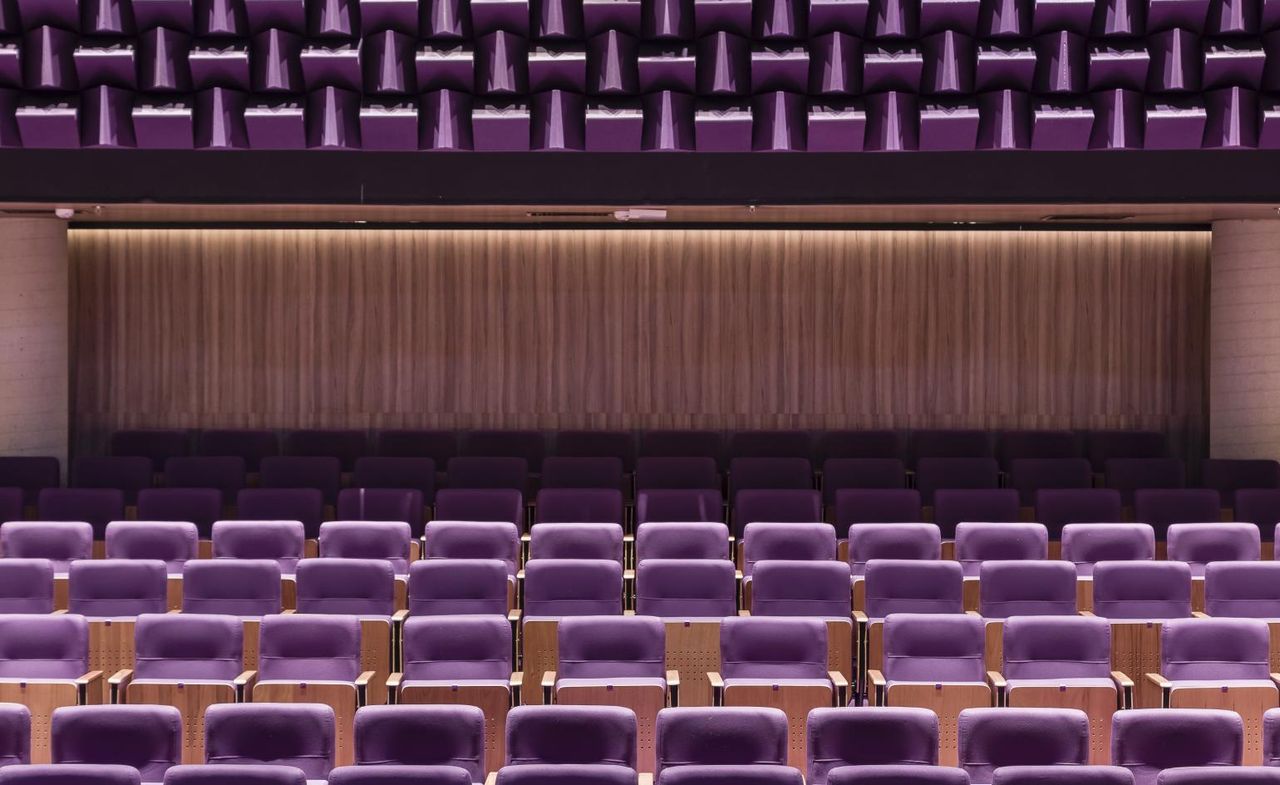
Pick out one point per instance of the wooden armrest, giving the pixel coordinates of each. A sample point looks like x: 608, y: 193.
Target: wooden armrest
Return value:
x: 673, y: 678
x: 838, y: 680
x: 393, y: 681
x: 88, y: 678
x: 1086, y: 613
x: 1159, y: 681
x: 1199, y: 615
x: 717, y: 683
x: 548, y: 679
x: 997, y: 680
x: 399, y: 616
x: 876, y: 678
x: 60, y: 610
x: 247, y: 678
x: 628, y: 575
x: 514, y: 616
x: 288, y: 611
x: 520, y: 575
x: 516, y: 680
x: 1122, y: 681
x: 1275, y: 679
x: 860, y: 617
x: 83, y: 685
x: 737, y: 575
x: 364, y: 678
x: 744, y: 613
x: 492, y: 779
x: 122, y: 676
x: 973, y: 613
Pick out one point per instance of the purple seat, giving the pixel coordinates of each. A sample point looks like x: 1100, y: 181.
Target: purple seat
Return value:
x: 305, y: 505
x: 933, y: 647
x: 1163, y: 508
x: 1037, y: 648
x: 746, y: 774
x: 301, y: 735
x: 1147, y: 741
x: 345, y: 445
x: 387, y: 472
x: 421, y: 736
x: 357, y: 587
x: 1086, y: 544
x: 199, y: 506
x: 864, y: 444
x: 953, y: 507
x: 572, y: 587
x: 69, y: 774
x: 1037, y: 445
x: 598, y: 444
x: 128, y: 475
x: 692, y: 473
x: 1129, y: 475
x: 1260, y: 507
x: 59, y: 542
x: 1026, y: 588
x: 248, y: 445
x: 95, y: 506
x: 576, y: 541
x: 870, y: 736
x: 607, y: 650
x: 473, y: 472
x: 473, y: 540
x: 383, y: 504
x: 1056, y: 508
x: 1271, y: 738
x: 979, y: 542
x: 1213, y: 652
x: 1228, y: 476
x: 399, y: 775
x: 561, y: 472
x: 933, y: 474
x: 777, y: 649
x: 26, y: 586
x: 444, y: 649
x: 530, y: 446
x: 1216, y: 775
x: 769, y: 444
x: 571, y: 734
x: 801, y: 588
x: 1244, y: 589
x: 148, y: 738
x: 236, y: 587
x: 847, y: 473
x: 367, y: 539
x: 15, y: 735
x: 678, y: 506
x: 117, y: 588
x: 794, y: 541
x: 1102, y: 446
x: 769, y: 474
x: 279, y: 541
x: 876, y: 506
x: 172, y: 542
x: 950, y: 444
x: 682, y: 444
x: 52, y: 646
x: 1197, y: 544
x: 1141, y: 590
x: 1029, y: 476
x: 869, y: 541
x: 497, y: 504
x: 775, y: 506
x: 459, y: 586
x: 157, y: 445
x: 681, y: 541
x: 243, y: 774
x: 225, y: 473
x: 579, y: 505
x: 439, y: 446
x: 31, y: 474
x: 1062, y: 775
x: 897, y: 775
x: 11, y: 506
x: 686, y: 588
x: 722, y: 736
x: 909, y: 586
x: 988, y: 739
x: 321, y: 473
x: 308, y: 647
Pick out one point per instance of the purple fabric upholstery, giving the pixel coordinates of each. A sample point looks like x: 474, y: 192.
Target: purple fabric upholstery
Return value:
x: 681, y: 444
x: 1242, y: 589
x: 1026, y: 588
x: 1215, y: 650
x: 95, y: 506
x: 686, y: 588
x: 1102, y: 446
x: 488, y: 473
x: 864, y: 444
x: 1147, y: 741
x: 44, y: 646
x: 421, y: 736
x: 291, y: 471
x: 934, y: 474
x: 596, y: 444
x: 793, y: 541
x: 571, y: 734
x: 1271, y: 738
x: 529, y: 446
x: 1037, y: 445
x: 695, y: 540
x: 443, y: 648
x: 769, y: 474
x: 281, y: 541
x: 1062, y: 775
x: 1056, y: 647
x: 732, y: 775
x: 458, y: 586
x: 311, y: 647
x: 897, y: 775
x: 473, y: 540
x: 1086, y: 544
x: 399, y: 775
x: 231, y: 774
x: 769, y: 444
x: 801, y: 588
x: 236, y: 587
x: 876, y: 506
x: 677, y: 473
x: 148, y: 738
x: 15, y: 735
x: 128, y: 475
x: 188, y: 647
x: 31, y: 474
x: 912, y: 541
x: 1029, y: 476
x: 1128, y: 475
x: 1228, y: 476
x: 301, y: 735
x: 439, y: 446
x: 598, y: 472
x: 250, y: 446
x: 933, y: 648
x: 989, y: 739
x: 1261, y: 507
x: 59, y: 542
x: 870, y: 736
x: 1056, y: 508
x: 576, y: 541
x: 117, y: 587
x: 345, y: 445
x: 1163, y: 508
x: 572, y: 587
x: 357, y: 587
x: 396, y: 473
x: 909, y: 586
x: 953, y: 507
x: 69, y: 774
x: 171, y: 542
x: 775, y: 506
x: 980, y: 542
x: 861, y: 473
x: 579, y: 505
x: 494, y: 504
x: 611, y: 647
x: 951, y: 444
x: 773, y: 648
x: 1217, y: 775
x: 367, y: 539
x: 26, y: 586
x: 678, y: 506
x: 720, y: 736
x: 223, y: 473
x: 1197, y: 544
x: 199, y: 506
x: 382, y: 504
x: 1142, y: 590
x: 305, y: 505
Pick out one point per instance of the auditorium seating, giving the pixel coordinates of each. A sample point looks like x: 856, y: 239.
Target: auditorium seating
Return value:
x: 300, y: 735
x: 989, y: 739
x: 869, y: 736
x: 145, y: 738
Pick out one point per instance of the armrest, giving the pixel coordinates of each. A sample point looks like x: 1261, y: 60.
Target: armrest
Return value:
x: 841, y: 686
x: 116, y: 684
x: 1086, y: 613
x: 514, y: 616
x: 514, y: 685
x: 878, y: 686
x: 737, y: 575
x: 90, y: 679
x: 876, y: 678
x: 1159, y: 681
x: 1199, y: 615
x: 973, y: 613
x: 673, y: 678
x: 399, y: 616
x: 244, y: 683
x: 717, y: 688
x: 860, y: 617
x: 519, y: 575
x: 673, y: 687
x: 548, y: 687
x: 744, y: 613
x: 997, y: 680
x: 628, y: 575
x: 288, y: 610
x: 492, y: 779
x: 1125, y: 686
x: 393, y: 681
x: 362, y: 687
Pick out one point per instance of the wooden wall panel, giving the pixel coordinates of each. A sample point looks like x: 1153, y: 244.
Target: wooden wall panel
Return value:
x: 640, y: 328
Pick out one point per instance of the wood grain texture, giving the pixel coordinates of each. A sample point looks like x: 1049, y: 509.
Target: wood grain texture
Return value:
x: 651, y: 328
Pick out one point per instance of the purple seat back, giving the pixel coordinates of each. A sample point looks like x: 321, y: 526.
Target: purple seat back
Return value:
x: 1102, y: 446
x: 232, y: 774
x: 172, y: 542
x: 399, y: 775
x: 473, y: 540
x: 597, y: 472
x: 383, y: 504
x: 678, y: 506
x: 721, y: 736
x: 1242, y: 589
x: 128, y: 475
x: 980, y: 542
x: 1147, y: 741
x: 677, y: 473
x: 1260, y: 507
x: 396, y: 473
x: 914, y: 541
x: 682, y: 444
x: 1057, y: 647
x: 301, y: 735
x: 1062, y: 775
x: 694, y: 540
x: 897, y: 775
x: 438, y: 445
x: 876, y: 506
x: 1086, y: 544
x: 794, y: 541
x: 148, y: 738
x: 770, y: 444
x: 26, y: 586
x: 1215, y: 649
x: 612, y: 647
x: 324, y: 474
x: 488, y: 473
x: 117, y: 588
x: 733, y: 775
x: 934, y: 474
x: 870, y: 736
x: 199, y: 506
x: 30, y: 473
x: 1217, y: 775
x: 864, y: 444
x: 249, y: 445
x: 309, y: 647
x: 1029, y: 476
x: 367, y: 539
x: 1035, y: 445
x: 188, y: 647
x: 281, y: 541
x: 1142, y: 590
x: 1128, y: 475
x: 1197, y: 544
x: 909, y: 586
x: 356, y: 587
x: 235, y: 587
x: 571, y: 734
x: 775, y: 506
x: 769, y: 474
x: 572, y: 587
x: 686, y: 588
x: 458, y: 586
x: 345, y: 446
x: 421, y: 736
x: 305, y: 505
x: 951, y: 443
x: 1026, y: 588
x: 801, y: 588
x: 576, y: 541
x: 444, y: 648
x: 478, y: 504
x: 223, y: 473
x: 1164, y: 507
x: 529, y: 446
x: 1057, y: 508
x: 1228, y: 476
x: 953, y: 507
x: 69, y: 774
x: 861, y: 473
x: 594, y: 444
x: 579, y: 505
x: 989, y: 739
x: 773, y: 648
x: 15, y: 735
x: 933, y: 647
x: 44, y: 646
x: 95, y: 506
